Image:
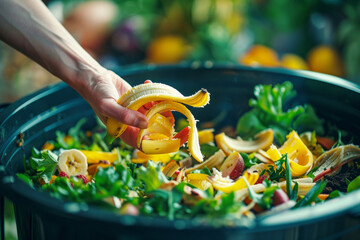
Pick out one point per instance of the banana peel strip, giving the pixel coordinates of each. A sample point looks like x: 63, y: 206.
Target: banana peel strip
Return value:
x: 336, y: 157
x: 139, y: 95
x: 304, y: 184
x: 213, y: 161
x: 262, y: 140
x: 193, y: 142
x: 226, y: 186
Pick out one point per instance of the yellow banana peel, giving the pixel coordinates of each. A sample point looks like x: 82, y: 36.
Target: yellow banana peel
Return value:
x: 261, y: 141
x: 139, y: 95
x: 193, y: 141
x: 226, y: 185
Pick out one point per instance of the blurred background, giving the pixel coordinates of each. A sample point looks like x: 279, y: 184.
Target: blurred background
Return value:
x: 317, y: 35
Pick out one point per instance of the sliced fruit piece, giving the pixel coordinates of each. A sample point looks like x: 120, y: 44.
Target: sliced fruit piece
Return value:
x: 215, y: 160
x: 72, y: 162
x: 262, y: 141
x: 227, y: 185
x: 183, y: 135
x: 199, y: 180
x: 160, y: 124
x: 142, y: 157
x: 301, y: 158
x: 233, y: 166
x: 96, y: 156
x: 160, y: 146
x: 92, y: 169
x: 206, y: 136
x: 170, y: 168
x: 193, y: 141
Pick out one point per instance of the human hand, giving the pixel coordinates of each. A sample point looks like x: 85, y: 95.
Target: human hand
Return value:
x: 102, y: 92
x: 131, y: 133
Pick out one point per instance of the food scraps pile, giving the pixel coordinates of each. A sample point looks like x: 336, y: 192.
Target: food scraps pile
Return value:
x: 279, y: 160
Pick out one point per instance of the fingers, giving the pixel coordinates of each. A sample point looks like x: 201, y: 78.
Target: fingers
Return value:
x: 130, y: 136
x: 130, y: 117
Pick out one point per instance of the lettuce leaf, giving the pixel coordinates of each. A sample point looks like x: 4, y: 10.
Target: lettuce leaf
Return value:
x: 268, y: 112
x: 151, y: 175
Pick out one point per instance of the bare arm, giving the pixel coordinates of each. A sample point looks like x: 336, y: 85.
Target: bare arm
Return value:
x: 29, y: 26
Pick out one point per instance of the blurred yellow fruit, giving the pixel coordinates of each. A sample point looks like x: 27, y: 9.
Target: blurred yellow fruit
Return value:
x: 325, y: 59
x: 293, y: 61
x: 260, y: 55
x: 167, y: 49
x: 90, y: 23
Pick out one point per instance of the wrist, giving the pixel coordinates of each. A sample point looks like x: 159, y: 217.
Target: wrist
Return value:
x: 83, y: 77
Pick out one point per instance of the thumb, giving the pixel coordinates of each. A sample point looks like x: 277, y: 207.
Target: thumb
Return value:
x: 129, y: 117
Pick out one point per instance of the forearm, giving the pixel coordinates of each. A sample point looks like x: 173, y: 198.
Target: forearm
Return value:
x: 28, y: 26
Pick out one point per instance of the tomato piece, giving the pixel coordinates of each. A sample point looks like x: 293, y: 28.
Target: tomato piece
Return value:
x: 183, y: 135
x: 327, y: 143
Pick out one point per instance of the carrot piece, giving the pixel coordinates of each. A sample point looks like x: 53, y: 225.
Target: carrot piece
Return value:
x: 256, y: 208
x: 323, y: 196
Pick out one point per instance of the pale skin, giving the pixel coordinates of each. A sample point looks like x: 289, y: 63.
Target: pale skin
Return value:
x: 29, y: 27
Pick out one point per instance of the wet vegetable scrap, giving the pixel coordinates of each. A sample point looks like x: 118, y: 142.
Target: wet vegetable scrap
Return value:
x: 282, y: 159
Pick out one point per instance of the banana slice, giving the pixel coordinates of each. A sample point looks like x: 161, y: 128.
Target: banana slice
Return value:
x: 137, y: 96
x: 73, y: 162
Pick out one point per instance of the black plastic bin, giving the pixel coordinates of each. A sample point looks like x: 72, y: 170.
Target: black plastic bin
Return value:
x: 59, y: 107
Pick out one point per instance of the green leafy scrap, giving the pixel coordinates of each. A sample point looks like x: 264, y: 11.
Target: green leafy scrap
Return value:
x: 208, y: 149
x: 264, y: 200
x: 151, y: 175
x: 354, y: 184
x: 42, y: 165
x: 268, y: 112
x: 278, y: 172
x: 249, y: 160
x: 312, y: 195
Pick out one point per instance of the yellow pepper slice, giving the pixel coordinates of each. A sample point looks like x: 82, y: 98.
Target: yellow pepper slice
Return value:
x: 160, y: 146
x: 199, y: 180
x: 300, y: 157
x: 206, y: 136
x: 96, y: 156
x: 142, y: 157
x: 197, y: 176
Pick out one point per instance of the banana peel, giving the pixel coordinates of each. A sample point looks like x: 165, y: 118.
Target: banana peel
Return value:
x: 226, y: 185
x: 171, y: 145
x: 261, y: 141
x: 139, y: 95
